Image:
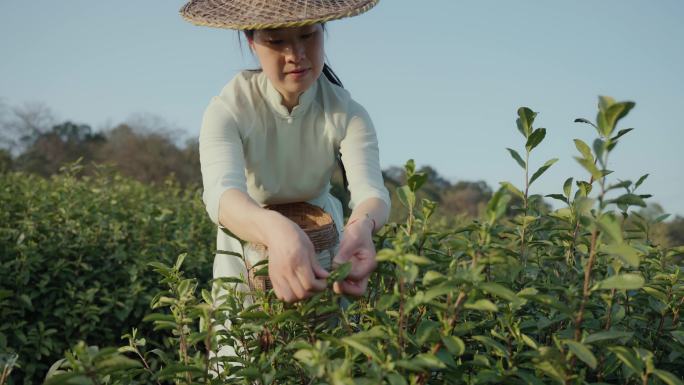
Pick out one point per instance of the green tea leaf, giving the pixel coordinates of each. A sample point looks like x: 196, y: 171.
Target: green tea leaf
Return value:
x: 607, y: 335
x: 667, y: 377
x: 584, y: 149
x: 454, y: 344
x: 640, y: 181
x: 406, y: 197
x: 624, y: 252
x: 589, y: 165
x: 340, y: 273
x: 535, y: 138
x: 517, y: 157
x: 627, y: 281
x: 614, y: 113
x: 525, y: 120
x: 582, y: 352
x: 416, y: 181
x: 629, y: 200
x: 499, y: 291
x: 492, y: 344
x: 512, y: 189
x: 482, y: 305
x: 363, y: 348
x: 621, y: 133
x: 396, y: 379
x: 567, y: 187
x: 610, y: 226
x: 542, y: 169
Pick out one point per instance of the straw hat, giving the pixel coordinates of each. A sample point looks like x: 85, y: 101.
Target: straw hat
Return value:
x: 264, y: 14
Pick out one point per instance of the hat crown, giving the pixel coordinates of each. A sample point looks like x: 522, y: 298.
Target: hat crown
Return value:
x: 263, y: 14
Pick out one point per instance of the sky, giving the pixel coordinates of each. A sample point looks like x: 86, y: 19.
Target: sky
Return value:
x: 441, y: 79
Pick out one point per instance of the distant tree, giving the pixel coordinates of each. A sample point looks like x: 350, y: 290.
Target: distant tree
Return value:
x: 5, y: 160
x: 64, y: 143
x: 150, y: 157
x: 675, y: 231
x: 22, y: 126
x: 466, y: 198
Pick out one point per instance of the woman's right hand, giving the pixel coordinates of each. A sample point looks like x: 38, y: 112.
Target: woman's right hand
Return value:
x: 293, y: 267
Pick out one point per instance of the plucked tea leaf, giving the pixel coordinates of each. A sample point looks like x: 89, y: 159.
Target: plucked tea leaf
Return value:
x: 340, y: 273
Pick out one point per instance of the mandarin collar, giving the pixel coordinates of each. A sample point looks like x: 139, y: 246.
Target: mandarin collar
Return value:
x: 275, y: 100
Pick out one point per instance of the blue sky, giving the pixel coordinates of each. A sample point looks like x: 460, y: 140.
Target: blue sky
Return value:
x: 441, y: 79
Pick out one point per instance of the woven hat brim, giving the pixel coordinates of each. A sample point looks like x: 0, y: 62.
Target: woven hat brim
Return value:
x: 213, y: 13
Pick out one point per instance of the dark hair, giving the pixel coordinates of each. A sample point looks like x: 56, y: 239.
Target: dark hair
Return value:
x: 327, y: 71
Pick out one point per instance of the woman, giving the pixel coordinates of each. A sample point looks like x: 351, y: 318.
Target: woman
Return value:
x: 272, y: 136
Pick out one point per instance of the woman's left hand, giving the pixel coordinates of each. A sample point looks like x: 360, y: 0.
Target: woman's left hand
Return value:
x: 356, y: 247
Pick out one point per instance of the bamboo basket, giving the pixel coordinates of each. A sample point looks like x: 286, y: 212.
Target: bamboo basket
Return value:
x: 318, y: 226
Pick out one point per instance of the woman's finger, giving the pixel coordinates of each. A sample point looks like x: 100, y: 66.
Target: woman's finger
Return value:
x: 296, y: 287
x: 355, y: 288
x: 363, y: 264
x: 282, y: 290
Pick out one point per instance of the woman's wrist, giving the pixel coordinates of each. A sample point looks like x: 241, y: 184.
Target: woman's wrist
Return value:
x: 367, y: 221
x: 270, y: 223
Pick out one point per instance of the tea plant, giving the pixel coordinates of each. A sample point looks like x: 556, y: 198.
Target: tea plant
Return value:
x: 73, y: 259
x: 522, y: 295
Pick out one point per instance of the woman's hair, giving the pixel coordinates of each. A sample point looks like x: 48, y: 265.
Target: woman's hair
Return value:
x: 327, y: 71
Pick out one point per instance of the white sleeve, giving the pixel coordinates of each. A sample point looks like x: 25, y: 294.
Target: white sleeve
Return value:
x: 361, y: 158
x: 221, y: 155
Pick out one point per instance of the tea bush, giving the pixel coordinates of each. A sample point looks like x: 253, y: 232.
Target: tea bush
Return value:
x: 74, y: 254
x: 522, y: 295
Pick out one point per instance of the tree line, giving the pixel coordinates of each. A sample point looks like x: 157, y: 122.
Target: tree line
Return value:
x: 148, y: 150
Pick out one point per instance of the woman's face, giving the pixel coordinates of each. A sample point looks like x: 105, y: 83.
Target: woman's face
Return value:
x: 292, y: 58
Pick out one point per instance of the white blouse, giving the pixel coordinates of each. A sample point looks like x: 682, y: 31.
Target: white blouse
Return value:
x: 249, y: 141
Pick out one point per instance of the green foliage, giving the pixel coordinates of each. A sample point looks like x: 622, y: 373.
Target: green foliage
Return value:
x: 521, y: 295
x: 74, y: 255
